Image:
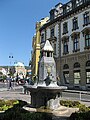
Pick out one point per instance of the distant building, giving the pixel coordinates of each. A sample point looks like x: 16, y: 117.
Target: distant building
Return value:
x: 20, y: 70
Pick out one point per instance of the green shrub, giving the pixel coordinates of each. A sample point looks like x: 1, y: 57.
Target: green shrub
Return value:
x: 80, y: 116
x: 11, y: 102
x: 18, y: 113
x: 2, y: 103
x: 5, y: 105
x: 83, y: 108
x: 68, y: 103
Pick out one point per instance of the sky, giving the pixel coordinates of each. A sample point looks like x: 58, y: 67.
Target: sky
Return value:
x: 17, y: 27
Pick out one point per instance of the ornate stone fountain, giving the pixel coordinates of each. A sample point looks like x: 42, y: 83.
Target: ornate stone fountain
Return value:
x: 45, y: 92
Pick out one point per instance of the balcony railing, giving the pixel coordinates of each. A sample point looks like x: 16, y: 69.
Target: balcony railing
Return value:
x: 70, y: 6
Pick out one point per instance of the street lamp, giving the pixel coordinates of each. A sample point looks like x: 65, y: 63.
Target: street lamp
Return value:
x: 10, y: 57
x: 10, y: 68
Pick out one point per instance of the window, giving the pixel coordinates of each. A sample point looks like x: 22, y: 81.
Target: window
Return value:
x: 76, y: 77
x: 88, y: 63
x: 42, y: 38
x: 76, y: 44
x: 75, y: 23
x: 66, y: 77
x: 65, y: 28
x: 66, y: 73
x: 52, y: 14
x: 64, y: 9
x: 88, y: 76
x: 87, y: 40
x: 65, y: 66
x: 78, y: 2
x: 65, y: 47
x: 48, y: 54
x: 88, y: 72
x: 76, y: 65
x: 52, y: 32
x: 55, y: 48
x: 86, y: 18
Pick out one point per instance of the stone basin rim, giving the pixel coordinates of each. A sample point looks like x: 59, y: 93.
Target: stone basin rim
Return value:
x: 45, y: 87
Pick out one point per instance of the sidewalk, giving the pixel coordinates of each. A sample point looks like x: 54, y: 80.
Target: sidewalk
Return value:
x: 13, y: 88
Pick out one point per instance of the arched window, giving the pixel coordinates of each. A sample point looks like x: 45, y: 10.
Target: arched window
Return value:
x: 66, y: 66
x: 66, y: 73
x: 88, y: 63
x: 88, y: 72
x: 76, y: 65
x: 77, y: 76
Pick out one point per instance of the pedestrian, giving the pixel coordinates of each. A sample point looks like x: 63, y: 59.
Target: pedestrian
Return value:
x: 58, y: 81
x: 10, y: 83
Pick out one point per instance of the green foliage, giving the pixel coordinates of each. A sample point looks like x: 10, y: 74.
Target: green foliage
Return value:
x: 84, y: 112
x: 18, y: 113
x: 4, y: 77
x: 80, y: 116
x: 2, y: 103
x: 77, y: 104
x: 69, y: 103
x: 5, y: 105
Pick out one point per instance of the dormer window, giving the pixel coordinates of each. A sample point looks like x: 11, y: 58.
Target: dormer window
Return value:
x: 73, y: 4
x: 78, y: 2
x: 52, y: 14
x: 64, y: 9
x: 52, y: 32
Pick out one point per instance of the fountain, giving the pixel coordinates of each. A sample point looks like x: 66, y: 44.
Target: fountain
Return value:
x: 45, y: 92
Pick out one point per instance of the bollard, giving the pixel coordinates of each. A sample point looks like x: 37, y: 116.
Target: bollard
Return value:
x: 80, y: 96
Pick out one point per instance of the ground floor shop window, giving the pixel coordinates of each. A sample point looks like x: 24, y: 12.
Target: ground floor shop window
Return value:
x: 66, y: 77
x: 76, y: 77
x: 88, y: 76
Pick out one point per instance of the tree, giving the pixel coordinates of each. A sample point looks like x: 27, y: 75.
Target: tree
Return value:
x: 12, y: 71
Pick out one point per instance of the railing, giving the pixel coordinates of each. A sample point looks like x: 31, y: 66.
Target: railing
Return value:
x: 69, y: 6
x: 77, y: 95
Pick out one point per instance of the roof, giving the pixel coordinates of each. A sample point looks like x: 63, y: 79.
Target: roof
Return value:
x: 47, y: 46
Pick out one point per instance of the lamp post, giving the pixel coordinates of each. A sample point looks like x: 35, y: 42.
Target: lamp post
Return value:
x: 10, y: 67
x: 10, y: 57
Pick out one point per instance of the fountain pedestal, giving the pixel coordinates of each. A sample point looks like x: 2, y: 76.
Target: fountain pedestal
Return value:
x: 46, y: 93
x: 46, y: 96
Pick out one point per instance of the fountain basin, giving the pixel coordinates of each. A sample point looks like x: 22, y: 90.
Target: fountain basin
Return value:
x: 47, y: 96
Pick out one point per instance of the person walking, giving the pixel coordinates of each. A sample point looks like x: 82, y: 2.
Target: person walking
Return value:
x: 10, y: 83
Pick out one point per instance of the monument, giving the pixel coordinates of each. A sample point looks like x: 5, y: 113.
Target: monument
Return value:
x: 45, y: 92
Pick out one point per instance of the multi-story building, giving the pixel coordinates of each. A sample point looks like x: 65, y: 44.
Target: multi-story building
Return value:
x: 75, y: 44
x: 68, y: 30
x: 51, y: 31
x: 36, y: 47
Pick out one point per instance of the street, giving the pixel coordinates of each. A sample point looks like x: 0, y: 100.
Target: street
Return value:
x: 76, y: 96
x: 18, y: 93
x: 6, y: 84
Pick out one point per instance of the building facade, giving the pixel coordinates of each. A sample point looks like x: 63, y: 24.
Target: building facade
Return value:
x: 36, y: 48
x: 75, y: 45
x: 51, y: 31
x: 68, y: 30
